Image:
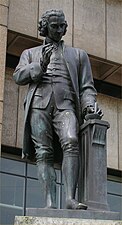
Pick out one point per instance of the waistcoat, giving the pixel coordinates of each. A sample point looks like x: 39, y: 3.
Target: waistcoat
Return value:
x: 56, y: 80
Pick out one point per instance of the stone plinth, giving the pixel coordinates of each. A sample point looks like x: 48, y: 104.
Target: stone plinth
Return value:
x: 21, y: 220
x: 93, y: 176
x: 77, y: 214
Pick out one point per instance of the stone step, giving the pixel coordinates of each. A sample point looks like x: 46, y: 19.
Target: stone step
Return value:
x: 69, y: 213
x: 31, y: 220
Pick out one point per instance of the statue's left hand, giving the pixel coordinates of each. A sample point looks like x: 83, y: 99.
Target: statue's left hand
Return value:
x: 92, y: 112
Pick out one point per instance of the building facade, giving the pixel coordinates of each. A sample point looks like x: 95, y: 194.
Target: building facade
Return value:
x: 93, y: 25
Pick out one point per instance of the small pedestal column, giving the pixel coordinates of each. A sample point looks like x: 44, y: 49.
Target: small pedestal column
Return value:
x: 93, y: 174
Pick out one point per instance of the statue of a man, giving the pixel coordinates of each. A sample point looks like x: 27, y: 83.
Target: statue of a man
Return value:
x: 61, y: 92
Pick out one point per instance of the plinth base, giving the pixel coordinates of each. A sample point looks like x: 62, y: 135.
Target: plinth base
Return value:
x: 79, y: 214
x: 28, y: 220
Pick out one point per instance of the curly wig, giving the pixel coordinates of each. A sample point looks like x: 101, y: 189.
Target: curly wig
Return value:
x: 44, y: 21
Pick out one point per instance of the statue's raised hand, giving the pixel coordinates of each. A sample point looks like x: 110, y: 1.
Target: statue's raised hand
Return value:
x: 46, y: 53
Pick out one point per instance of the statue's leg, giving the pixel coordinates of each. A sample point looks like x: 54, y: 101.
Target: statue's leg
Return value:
x: 67, y: 130
x: 41, y: 134
x: 47, y: 177
x: 70, y: 169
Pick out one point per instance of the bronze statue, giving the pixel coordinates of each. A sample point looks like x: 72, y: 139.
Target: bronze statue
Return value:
x: 61, y: 92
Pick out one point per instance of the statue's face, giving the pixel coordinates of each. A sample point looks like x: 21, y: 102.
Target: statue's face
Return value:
x: 56, y: 27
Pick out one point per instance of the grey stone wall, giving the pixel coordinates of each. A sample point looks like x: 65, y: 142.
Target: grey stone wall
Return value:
x: 3, y: 40
x: 94, y: 25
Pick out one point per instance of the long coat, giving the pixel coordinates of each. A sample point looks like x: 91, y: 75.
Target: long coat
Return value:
x: 29, y: 69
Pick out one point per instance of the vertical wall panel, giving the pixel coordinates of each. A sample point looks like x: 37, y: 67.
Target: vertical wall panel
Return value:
x: 4, y: 2
x: 10, y: 110
x: 3, y: 41
x: 1, y: 111
x: 120, y: 132
x: 20, y: 125
x: 3, y: 15
x: 23, y: 16
x: 89, y: 26
x: 109, y: 107
x: 114, y: 30
x: 0, y: 136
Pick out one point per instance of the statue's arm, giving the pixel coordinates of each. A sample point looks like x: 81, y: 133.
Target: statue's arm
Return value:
x: 87, y: 90
x: 86, y: 85
x: 27, y: 72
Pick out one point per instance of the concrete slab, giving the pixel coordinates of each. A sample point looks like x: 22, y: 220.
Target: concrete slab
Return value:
x: 1, y: 111
x: 20, y: 117
x: 89, y: 26
x: 61, y: 221
x: 77, y: 214
x: 0, y: 137
x: 23, y: 16
x: 4, y: 2
x: 109, y: 107
x: 3, y: 15
x: 120, y: 132
x: 3, y: 39
x: 114, y: 30
x: 10, y: 110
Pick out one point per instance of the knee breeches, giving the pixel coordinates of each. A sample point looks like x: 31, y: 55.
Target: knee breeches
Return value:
x: 65, y: 125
